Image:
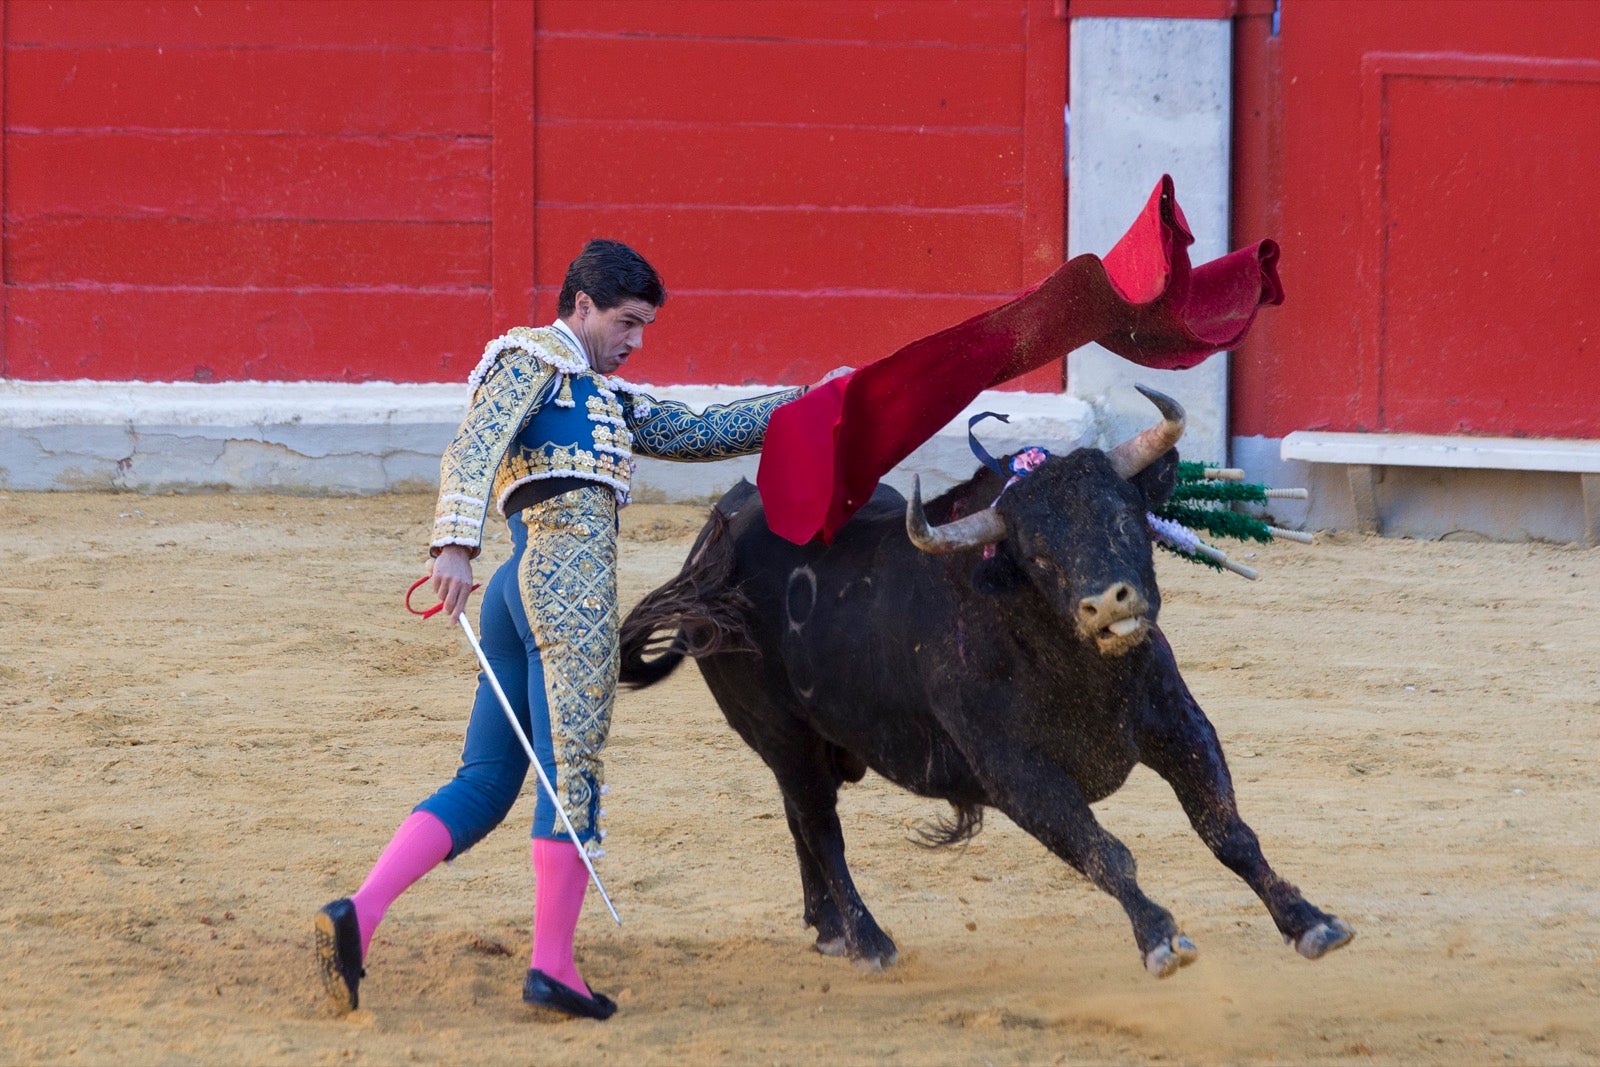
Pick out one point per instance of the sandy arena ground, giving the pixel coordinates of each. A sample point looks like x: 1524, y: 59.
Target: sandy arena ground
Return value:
x: 214, y: 711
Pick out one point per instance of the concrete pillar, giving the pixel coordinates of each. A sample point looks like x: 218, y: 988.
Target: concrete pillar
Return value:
x: 1150, y: 97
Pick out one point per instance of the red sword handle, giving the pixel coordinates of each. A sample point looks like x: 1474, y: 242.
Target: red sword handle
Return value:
x: 430, y: 612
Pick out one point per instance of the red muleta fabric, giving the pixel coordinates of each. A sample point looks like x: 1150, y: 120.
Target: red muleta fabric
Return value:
x: 825, y: 452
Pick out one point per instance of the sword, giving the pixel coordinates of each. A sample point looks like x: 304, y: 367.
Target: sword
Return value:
x: 533, y: 760
x: 549, y: 790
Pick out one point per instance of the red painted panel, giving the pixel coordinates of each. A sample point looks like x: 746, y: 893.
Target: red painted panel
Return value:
x: 1044, y: 224
x: 988, y: 23
x: 800, y: 83
x: 795, y: 249
x: 1302, y: 367
x: 223, y: 176
x: 1487, y: 299
x: 177, y: 23
x: 783, y: 339
x: 275, y: 253
x: 265, y: 335
x: 250, y: 89
x: 513, y: 233
x: 1152, y: 9
x: 779, y: 338
x: 702, y: 163
x: 1256, y: 189
x: 775, y: 177
x: 5, y: 313
x: 861, y: 163
x: 1050, y: 378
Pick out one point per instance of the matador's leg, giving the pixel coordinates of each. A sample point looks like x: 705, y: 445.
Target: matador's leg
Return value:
x: 569, y: 589
x: 568, y: 582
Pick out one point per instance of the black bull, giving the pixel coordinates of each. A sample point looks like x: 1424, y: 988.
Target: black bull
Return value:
x: 1031, y: 681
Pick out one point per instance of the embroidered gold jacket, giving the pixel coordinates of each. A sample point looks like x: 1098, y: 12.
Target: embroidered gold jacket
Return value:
x: 539, y: 412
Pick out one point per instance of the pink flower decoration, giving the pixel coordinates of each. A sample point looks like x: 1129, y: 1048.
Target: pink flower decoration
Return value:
x: 1028, y: 460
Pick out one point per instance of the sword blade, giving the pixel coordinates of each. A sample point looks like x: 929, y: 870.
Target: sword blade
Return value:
x: 533, y: 760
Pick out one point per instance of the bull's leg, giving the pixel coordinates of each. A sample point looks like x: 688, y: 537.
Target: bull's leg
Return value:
x: 820, y: 910
x: 1182, y: 746
x: 810, y: 797
x: 1041, y: 798
x: 809, y: 772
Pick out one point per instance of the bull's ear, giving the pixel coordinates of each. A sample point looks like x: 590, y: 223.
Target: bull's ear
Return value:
x: 999, y: 574
x: 1158, y: 479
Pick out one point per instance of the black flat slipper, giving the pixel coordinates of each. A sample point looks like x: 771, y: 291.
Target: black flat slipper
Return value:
x: 339, y: 955
x: 543, y: 991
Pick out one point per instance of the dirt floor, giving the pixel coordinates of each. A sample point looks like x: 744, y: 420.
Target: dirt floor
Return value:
x: 214, y: 710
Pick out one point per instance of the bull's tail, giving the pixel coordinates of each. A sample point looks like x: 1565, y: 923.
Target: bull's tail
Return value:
x: 962, y: 825
x: 698, y: 613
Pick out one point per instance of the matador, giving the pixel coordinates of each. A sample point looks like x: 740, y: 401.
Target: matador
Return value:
x: 549, y: 439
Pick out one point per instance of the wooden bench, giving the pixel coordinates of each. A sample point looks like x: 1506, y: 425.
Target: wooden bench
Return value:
x: 1364, y: 453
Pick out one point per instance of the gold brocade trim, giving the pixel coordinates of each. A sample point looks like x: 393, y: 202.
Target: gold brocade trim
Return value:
x: 568, y: 582
x: 605, y: 457
x: 610, y: 438
x: 556, y: 461
x: 470, y: 462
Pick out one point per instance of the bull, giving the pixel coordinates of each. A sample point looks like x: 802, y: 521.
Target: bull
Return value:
x: 1009, y: 658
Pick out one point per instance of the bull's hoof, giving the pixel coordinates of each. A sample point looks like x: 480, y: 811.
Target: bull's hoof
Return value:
x: 832, y: 946
x: 873, y: 963
x: 1177, y: 951
x: 873, y: 951
x: 1323, y: 938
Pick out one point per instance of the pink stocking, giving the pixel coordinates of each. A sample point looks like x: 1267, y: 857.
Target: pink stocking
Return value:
x: 560, y: 880
x: 415, y: 849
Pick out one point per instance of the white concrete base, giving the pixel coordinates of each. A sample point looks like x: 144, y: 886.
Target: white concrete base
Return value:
x: 282, y: 436
x: 1573, y: 455
x: 1367, y: 457
x: 308, y: 437
x: 1430, y: 503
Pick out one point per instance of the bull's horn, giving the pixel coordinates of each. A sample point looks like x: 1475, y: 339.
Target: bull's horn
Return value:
x: 1143, y: 449
x: 982, y: 528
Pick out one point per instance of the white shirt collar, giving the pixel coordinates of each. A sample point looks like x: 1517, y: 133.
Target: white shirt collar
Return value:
x: 572, y: 340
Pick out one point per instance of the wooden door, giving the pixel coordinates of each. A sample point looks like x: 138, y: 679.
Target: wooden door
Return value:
x: 1430, y: 177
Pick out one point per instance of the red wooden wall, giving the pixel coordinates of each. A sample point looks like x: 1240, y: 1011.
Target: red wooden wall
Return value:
x: 212, y: 191
x: 819, y: 183
x: 1428, y: 167
x: 352, y: 191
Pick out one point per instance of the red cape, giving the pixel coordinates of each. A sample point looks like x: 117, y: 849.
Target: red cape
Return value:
x: 825, y: 452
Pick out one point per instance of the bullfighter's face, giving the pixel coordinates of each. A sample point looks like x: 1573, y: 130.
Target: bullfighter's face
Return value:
x: 611, y: 335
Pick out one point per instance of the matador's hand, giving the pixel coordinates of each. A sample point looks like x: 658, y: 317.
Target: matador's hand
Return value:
x: 837, y: 372
x: 452, y: 578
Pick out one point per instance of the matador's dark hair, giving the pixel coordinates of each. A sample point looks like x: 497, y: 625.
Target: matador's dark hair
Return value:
x: 611, y: 273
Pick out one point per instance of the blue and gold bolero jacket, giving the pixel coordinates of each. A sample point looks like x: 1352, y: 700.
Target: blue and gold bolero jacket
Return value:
x: 539, y: 412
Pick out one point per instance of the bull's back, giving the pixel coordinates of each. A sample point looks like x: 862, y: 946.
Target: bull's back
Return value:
x: 843, y: 629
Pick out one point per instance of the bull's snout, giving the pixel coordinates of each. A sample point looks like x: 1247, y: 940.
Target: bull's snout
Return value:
x: 1115, y: 619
